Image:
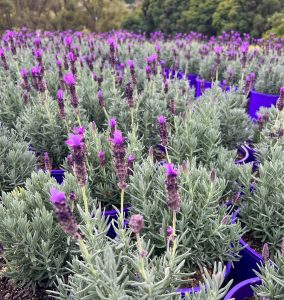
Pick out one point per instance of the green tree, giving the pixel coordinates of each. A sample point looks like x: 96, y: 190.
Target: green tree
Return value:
x: 276, y: 23
x: 244, y: 15
x: 199, y: 16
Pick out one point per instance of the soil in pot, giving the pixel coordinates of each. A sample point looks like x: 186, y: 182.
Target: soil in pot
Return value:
x: 254, y: 243
x: 194, y: 280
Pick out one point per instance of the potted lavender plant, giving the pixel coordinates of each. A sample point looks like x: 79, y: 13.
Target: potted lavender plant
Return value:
x: 266, y: 91
x: 174, y: 203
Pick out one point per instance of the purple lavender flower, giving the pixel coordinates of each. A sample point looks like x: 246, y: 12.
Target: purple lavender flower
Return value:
x: 25, y: 84
x: 77, y: 145
x: 162, y: 123
x: 136, y: 223
x: 172, y: 106
x: 172, y: 187
x: 64, y: 214
x: 119, y: 158
x: 213, y: 175
x: 280, y: 101
x: 130, y: 164
x: 112, y: 124
x: 3, y: 58
x: 265, y: 252
x: 70, y: 79
x: 60, y: 101
x: 129, y: 95
x: 131, y: 64
x: 47, y: 162
x: 101, y: 98
x: 102, y: 158
x: 71, y: 57
x: 79, y: 130
x: 56, y: 196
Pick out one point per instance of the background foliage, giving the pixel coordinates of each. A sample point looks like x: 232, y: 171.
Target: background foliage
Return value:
x: 169, y: 16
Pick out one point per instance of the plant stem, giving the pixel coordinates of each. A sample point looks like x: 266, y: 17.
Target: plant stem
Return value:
x: 106, y: 114
x: 86, y: 255
x: 122, y: 206
x: 140, y: 249
x: 86, y: 206
x: 174, y: 231
x: 167, y: 155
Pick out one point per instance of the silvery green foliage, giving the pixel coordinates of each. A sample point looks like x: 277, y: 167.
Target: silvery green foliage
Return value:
x: 189, y: 58
x: 11, y: 99
x: 149, y: 104
x: 16, y: 161
x: 201, y: 219
x: 270, y: 77
x: 45, y: 130
x: 88, y: 88
x: 198, y: 134
x: 207, y: 68
x: 35, y: 247
x: 116, y: 272
x: 211, y: 288
x: 235, y: 124
x: 270, y: 131
x: 272, y: 279
x: 263, y: 210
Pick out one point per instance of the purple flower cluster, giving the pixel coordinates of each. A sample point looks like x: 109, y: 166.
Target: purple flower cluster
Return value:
x: 64, y: 214
x: 162, y: 123
x: 78, y: 148
x: 119, y: 152
x: 173, y: 196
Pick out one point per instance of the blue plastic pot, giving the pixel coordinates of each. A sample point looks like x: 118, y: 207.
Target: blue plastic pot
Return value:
x: 113, y: 216
x: 258, y: 100
x: 198, y: 90
x: 192, y: 80
x: 243, y: 289
x: 58, y: 175
x: 246, y: 159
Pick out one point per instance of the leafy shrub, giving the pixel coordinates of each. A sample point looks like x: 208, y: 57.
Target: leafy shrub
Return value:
x: 35, y: 247
x: 262, y: 211
x: 270, y: 77
x: 201, y: 220
x: 16, y: 162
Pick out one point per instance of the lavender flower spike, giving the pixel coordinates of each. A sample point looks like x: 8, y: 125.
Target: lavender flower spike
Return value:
x: 136, y: 223
x: 280, y: 101
x: 173, y: 196
x: 64, y: 214
x: 119, y: 158
x: 77, y: 145
x: 60, y: 100
x: 265, y: 252
x: 162, y: 123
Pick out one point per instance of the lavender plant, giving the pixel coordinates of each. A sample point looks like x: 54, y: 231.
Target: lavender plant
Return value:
x: 270, y: 77
x: 235, y: 125
x: 261, y: 210
x: 271, y: 275
x: 200, y: 220
x: 36, y: 248
x: 198, y: 134
x: 45, y: 128
x: 17, y: 162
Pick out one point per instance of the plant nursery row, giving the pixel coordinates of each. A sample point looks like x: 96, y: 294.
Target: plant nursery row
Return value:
x: 136, y: 167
